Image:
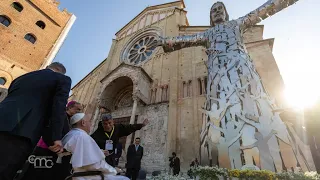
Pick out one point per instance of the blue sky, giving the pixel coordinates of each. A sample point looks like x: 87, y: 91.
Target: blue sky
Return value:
x: 295, y: 29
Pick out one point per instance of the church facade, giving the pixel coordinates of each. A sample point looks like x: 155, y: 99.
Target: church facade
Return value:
x: 138, y: 80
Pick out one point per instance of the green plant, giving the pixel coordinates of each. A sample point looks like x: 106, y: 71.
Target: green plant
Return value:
x: 213, y: 173
x: 207, y: 172
x: 251, y: 174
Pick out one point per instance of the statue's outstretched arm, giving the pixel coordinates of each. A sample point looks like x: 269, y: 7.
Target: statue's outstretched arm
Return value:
x: 227, y: 97
x: 270, y: 135
x: 283, y: 140
x: 217, y: 128
x: 249, y: 146
x: 268, y: 9
x: 256, y: 125
x: 281, y: 110
x: 171, y: 44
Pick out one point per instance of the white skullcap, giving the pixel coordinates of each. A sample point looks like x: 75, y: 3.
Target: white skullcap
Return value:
x: 76, y: 118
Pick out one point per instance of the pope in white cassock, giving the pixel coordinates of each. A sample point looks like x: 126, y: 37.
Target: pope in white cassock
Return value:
x: 86, y: 154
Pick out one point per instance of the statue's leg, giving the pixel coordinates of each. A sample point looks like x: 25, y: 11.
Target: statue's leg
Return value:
x: 307, y: 154
x: 224, y: 160
x: 234, y: 153
x: 214, y: 156
x: 204, y: 155
x: 297, y: 143
x: 274, y: 150
x: 248, y: 139
x: 302, y: 162
x: 288, y: 156
x: 267, y: 162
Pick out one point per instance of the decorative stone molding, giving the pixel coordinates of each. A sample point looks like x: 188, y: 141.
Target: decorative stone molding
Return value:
x: 140, y: 80
x: 123, y: 98
x: 145, y: 21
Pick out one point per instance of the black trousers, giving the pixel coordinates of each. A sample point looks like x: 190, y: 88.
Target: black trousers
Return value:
x: 63, y: 170
x: 176, y: 172
x: 36, y: 173
x: 111, y: 160
x: 132, y: 173
x: 14, y: 152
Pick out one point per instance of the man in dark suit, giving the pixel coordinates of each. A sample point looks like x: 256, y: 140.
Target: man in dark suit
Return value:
x: 134, y: 156
x: 35, y: 100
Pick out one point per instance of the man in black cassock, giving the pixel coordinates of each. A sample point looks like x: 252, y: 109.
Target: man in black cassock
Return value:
x: 108, y: 134
x: 175, y: 164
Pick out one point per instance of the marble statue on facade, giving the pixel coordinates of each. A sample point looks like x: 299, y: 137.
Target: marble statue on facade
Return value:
x: 234, y: 88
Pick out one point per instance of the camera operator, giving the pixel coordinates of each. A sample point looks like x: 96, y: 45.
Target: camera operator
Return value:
x: 175, y: 164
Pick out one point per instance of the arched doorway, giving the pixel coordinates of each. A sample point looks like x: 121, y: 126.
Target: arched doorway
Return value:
x: 125, y: 92
x: 118, y: 99
x: 118, y: 93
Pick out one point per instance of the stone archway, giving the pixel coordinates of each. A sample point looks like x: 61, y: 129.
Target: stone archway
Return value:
x: 126, y: 86
x: 141, y: 82
x: 115, y: 92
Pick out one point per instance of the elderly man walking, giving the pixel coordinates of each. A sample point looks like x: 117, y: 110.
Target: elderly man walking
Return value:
x: 35, y: 100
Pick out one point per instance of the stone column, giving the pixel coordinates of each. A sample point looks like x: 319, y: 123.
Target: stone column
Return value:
x: 95, y: 121
x: 132, y: 118
x: 203, y: 86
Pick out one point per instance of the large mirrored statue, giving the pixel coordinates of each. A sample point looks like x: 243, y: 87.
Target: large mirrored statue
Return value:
x: 242, y: 124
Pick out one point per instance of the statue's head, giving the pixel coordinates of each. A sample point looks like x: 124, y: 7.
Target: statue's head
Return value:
x: 218, y: 13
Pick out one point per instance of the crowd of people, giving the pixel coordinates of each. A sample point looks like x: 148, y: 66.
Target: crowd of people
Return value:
x: 36, y: 121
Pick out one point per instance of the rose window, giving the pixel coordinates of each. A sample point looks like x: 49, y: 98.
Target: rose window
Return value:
x: 141, y: 47
x: 142, y: 50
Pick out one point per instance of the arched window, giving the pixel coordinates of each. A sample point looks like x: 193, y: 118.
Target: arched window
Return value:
x: 17, y: 6
x: 3, y: 81
x: 30, y: 38
x: 41, y: 24
x: 5, y: 20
